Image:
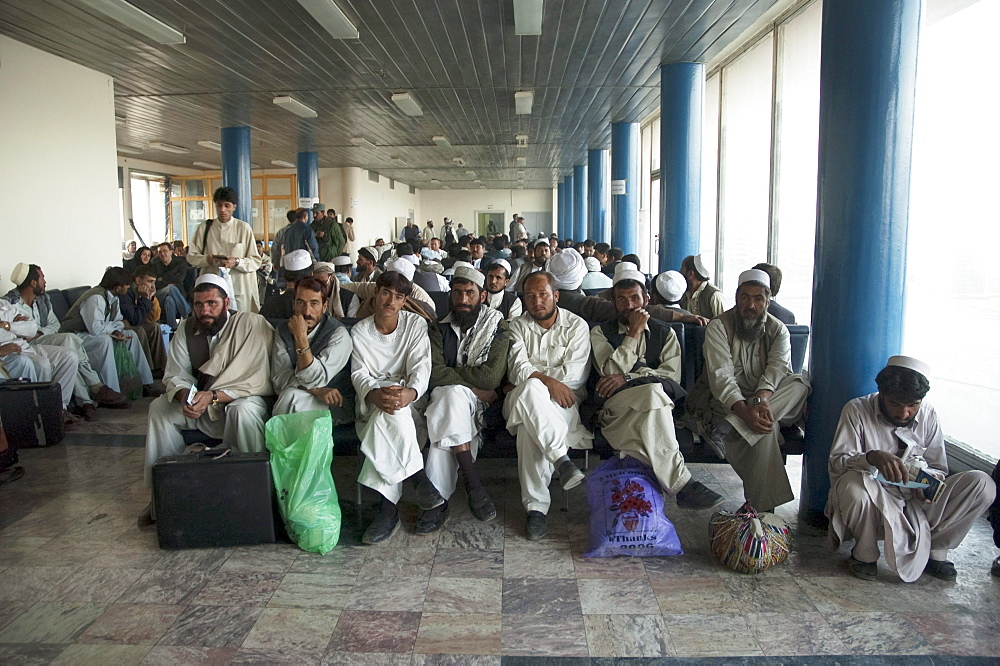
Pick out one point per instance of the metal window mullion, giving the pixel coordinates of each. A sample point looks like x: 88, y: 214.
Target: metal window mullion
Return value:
x: 775, y: 158
x: 719, y: 182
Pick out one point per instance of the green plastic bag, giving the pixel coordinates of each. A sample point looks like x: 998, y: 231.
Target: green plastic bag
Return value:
x: 301, y: 447
x: 128, y: 373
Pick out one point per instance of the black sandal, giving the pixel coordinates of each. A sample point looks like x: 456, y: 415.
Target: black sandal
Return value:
x: 11, y: 474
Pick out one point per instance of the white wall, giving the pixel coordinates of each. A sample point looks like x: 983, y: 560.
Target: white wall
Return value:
x: 373, y: 206
x: 58, y: 177
x: 461, y: 205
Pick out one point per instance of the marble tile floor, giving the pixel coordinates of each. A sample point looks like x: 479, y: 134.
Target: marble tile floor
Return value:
x: 80, y: 584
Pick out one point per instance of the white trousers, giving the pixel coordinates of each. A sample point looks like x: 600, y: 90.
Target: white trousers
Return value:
x: 391, y: 449
x: 85, y: 377
x: 454, y: 417
x: 293, y: 400
x: 545, y: 432
x: 100, y: 350
x: 241, y: 428
x: 41, y: 363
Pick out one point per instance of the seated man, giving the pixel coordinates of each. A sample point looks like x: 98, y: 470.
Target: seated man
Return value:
x: 32, y: 300
x: 668, y: 289
x: 342, y: 268
x: 469, y: 348
x: 309, y: 357
x: 784, y: 315
x: 595, y: 278
x: 419, y: 301
x: 170, y: 274
x: 747, y: 392
x: 390, y: 367
x: 639, y: 361
x: 96, y: 317
x: 895, y: 434
x: 217, y: 379
x: 549, y: 364
x: 994, y: 516
x: 343, y: 302
x: 141, y: 311
x: 297, y: 264
x: 433, y: 250
x: 367, y: 270
x: 702, y: 297
x: 539, y: 253
x: 497, y: 279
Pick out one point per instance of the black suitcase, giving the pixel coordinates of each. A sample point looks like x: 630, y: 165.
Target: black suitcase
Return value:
x: 32, y: 413
x: 206, y: 501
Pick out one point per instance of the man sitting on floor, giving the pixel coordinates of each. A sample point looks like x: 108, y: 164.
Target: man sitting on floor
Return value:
x: 639, y: 361
x: 217, y: 378
x: 549, y: 364
x: 747, y: 392
x: 309, y: 357
x: 894, y: 433
x: 469, y: 350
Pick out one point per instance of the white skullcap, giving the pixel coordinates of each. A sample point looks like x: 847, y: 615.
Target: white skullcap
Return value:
x: 470, y: 274
x: 626, y: 270
x: 323, y: 267
x: 401, y: 266
x: 501, y: 262
x: 212, y: 279
x: 342, y: 260
x: 593, y: 264
x: 297, y: 260
x: 568, y: 269
x: 623, y: 266
x: 457, y: 264
x: 755, y: 275
x: 699, y: 265
x: 20, y: 273
x: 911, y: 363
x: 539, y: 241
x: 671, y: 285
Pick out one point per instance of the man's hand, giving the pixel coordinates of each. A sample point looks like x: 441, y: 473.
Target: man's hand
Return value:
x: 390, y: 399
x: 225, y: 262
x: 202, y: 399
x: 146, y: 290
x: 606, y: 386
x: 330, y: 396
x: 758, y: 418
x: 891, y: 467
x: 637, y: 322
x: 559, y: 392
x: 10, y: 348
x: 690, y: 319
x: 118, y: 335
x: 489, y: 397
x: 20, y: 317
x: 299, y: 329
x: 320, y: 234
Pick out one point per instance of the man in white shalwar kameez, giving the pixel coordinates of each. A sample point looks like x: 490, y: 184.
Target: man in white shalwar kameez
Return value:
x: 390, y: 368
x: 751, y: 392
x: 226, y: 246
x: 217, y: 379
x: 469, y: 348
x: 548, y: 365
x: 638, y: 386
x: 309, y: 357
x: 896, y: 434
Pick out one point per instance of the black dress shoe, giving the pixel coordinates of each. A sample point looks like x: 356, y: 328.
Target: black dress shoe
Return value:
x: 537, y: 528
x: 696, y: 495
x: 995, y: 569
x: 941, y: 569
x: 433, y: 520
x: 481, y: 505
x: 382, y: 528
x: 570, y: 475
x: 428, y: 496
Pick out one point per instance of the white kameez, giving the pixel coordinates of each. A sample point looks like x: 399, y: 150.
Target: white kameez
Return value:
x: 99, y: 344
x: 389, y: 441
x: 454, y: 417
x: 324, y: 367
x: 544, y: 430
x: 861, y: 508
x: 38, y: 363
x: 231, y: 239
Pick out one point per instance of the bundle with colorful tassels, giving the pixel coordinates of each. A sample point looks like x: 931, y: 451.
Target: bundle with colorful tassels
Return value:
x: 747, y: 541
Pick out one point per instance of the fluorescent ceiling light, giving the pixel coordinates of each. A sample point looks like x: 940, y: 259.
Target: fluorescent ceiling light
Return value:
x: 522, y: 102
x: 477, y: 181
x: 168, y: 147
x: 133, y: 17
x: 362, y: 142
x: 459, y: 161
x: 129, y: 150
x: 254, y: 166
x: 435, y: 180
x: 207, y: 165
x: 398, y: 160
x: 527, y: 17
x: 522, y: 161
x: 521, y: 140
x: 482, y: 187
x: 446, y: 187
x: 283, y: 163
x: 407, y: 104
x: 470, y: 173
x: 210, y: 144
x: 441, y: 142
x: 294, y: 106
x: 329, y: 16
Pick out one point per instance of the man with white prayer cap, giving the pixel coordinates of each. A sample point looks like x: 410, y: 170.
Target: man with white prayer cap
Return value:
x: 419, y: 301
x: 499, y: 298
x: 217, y: 379
x: 884, y: 439
x: 367, y: 270
x: 747, y: 392
x: 540, y: 253
x: 548, y: 366
x: 595, y: 278
x: 342, y: 268
x: 297, y: 264
x: 469, y: 348
x: 702, y: 297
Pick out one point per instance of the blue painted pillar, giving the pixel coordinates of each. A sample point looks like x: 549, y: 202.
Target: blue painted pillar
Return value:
x: 570, y: 212
x: 625, y: 167
x: 308, y: 175
x: 598, y: 177
x: 867, y: 82
x: 682, y: 96
x: 580, y: 202
x: 561, y: 219
x: 236, y: 169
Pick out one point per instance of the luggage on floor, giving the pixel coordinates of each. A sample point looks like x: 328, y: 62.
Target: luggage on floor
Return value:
x: 214, y: 498
x: 32, y: 413
x: 749, y: 541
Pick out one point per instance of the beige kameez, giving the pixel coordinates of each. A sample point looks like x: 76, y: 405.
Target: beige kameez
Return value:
x: 231, y: 239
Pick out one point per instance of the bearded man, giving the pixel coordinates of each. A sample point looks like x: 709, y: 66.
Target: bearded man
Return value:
x: 748, y: 391
x: 541, y: 252
x: 497, y: 279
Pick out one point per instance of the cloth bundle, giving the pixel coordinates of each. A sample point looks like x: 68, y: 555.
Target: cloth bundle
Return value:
x: 747, y: 541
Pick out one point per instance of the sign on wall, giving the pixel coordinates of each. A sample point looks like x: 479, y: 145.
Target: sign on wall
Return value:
x: 617, y: 187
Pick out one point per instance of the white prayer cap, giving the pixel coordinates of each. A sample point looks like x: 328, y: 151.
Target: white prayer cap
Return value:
x: 626, y: 270
x: 323, y: 267
x: 568, y: 269
x: 501, y: 262
x: 911, y: 363
x: 341, y: 260
x: 592, y: 263
x: 210, y: 278
x: 401, y: 265
x: 539, y: 241
x: 20, y: 273
x: 297, y: 260
x: 458, y: 264
x: 755, y: 275
x: 671, y: 285
x: 412, y: 258
x: 470, y: 274
x: 699, y: 265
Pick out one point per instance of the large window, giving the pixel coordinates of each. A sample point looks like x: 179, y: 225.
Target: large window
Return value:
x: 149, y: 208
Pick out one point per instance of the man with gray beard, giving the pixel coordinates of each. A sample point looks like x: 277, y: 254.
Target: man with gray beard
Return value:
x: 747, y: 392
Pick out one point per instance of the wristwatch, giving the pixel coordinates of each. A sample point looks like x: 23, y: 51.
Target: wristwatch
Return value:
x: 756, y: 400
x: 629, y: 377
x: 302, y: 351
x: 215, y: 397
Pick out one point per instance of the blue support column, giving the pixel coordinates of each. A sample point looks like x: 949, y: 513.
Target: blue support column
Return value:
x: 570, y: 212
x: 561, y: 218
x: 867, y: 82
x: 682, y: 96
x: 625, y: 167
x: 236, y: 169
x: 598, y: 180
x: 308, y: 175
x: 580, y: 202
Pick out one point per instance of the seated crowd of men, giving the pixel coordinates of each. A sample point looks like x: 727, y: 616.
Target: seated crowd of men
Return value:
x: 517, y: 337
